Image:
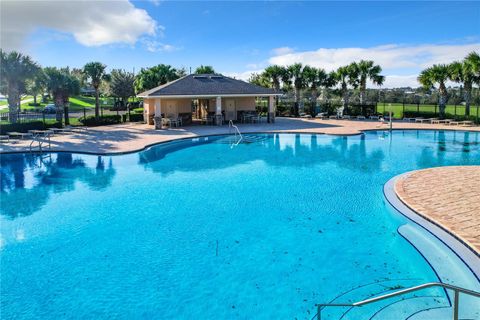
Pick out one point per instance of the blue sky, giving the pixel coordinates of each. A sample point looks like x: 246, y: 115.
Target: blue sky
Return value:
x: 238, y: 38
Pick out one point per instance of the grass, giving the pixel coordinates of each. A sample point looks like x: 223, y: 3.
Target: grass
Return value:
x: 397, y: 109
x: 77, y: 103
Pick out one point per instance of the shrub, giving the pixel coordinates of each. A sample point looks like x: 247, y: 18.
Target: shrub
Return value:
x: 25, y: 126
x: 134, y: 117
x: 137, y: 110
x: 91, y: 121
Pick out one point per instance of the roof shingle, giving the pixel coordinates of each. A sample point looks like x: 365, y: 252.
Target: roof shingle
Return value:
x: 207, y: 84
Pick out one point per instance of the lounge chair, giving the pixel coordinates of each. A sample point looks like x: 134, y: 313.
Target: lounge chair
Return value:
x: 304, y: 115
x: 321, y: 115
x: 22, y: 135
x: 467, y: 123
x: 61, y: 130
x: 361, y: 118
x: 4, y: 137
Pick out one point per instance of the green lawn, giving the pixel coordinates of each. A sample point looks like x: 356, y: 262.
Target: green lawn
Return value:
x: 77, y: 103
x: 397, y: 109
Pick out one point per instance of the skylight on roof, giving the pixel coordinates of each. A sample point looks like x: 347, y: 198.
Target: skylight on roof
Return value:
x: 216, y: 77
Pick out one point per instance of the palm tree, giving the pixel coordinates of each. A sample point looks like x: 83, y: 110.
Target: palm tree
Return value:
x: 275, y: 73
x: 465, y: 72
x: 205, y: 70
x: 62, y: 84
x: 95, y: 73
x: 15, y: 69
x: 437, y: 74
x: 314, y: 79
x: 295, y: 74
x: 36, y: 85
x: 367, y: 70
x: 345, y: 76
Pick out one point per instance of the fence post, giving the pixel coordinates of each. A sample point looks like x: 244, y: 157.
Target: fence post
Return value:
x: 478, y: 107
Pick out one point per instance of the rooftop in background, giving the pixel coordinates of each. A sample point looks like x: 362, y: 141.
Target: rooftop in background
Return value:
x: 207, y: 85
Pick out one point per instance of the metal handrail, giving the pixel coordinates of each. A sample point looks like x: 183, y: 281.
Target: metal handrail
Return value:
x: 456, y: 290
x: 237, y: 131
x: 36, y: 138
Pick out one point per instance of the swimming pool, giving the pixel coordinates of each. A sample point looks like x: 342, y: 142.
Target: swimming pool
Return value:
x: 203, y: 228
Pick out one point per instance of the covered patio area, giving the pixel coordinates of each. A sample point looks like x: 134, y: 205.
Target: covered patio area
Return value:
x: 206, y: 99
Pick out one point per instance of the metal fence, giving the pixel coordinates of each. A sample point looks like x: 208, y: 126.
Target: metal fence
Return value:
x: 74, y: 116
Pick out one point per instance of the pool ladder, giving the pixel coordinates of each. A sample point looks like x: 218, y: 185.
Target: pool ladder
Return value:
x: 456, y: 290
x: 36, y: 138
x: 236, y: 131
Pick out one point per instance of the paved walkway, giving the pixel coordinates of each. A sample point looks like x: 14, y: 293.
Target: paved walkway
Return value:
x: 447, y: 196
x: 132, y: 137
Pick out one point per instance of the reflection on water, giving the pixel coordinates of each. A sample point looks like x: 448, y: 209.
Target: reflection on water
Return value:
x: 28, y: 180
x: 300, y: 150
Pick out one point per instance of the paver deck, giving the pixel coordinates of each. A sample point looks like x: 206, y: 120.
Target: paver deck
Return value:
x: 132, y: 137
x: 448, y: 197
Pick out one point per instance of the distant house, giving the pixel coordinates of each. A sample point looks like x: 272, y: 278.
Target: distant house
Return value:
x: 214, y: 95
x: 87, y: 91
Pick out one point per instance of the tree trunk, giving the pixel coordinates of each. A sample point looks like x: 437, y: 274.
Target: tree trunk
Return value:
x: 297, y: 99
x: 34, y: 99
x: 314, y: 102
x: 362, y: 93
x: 97, y: 105
x: 345, y: 101
x: 442, y: 100
x: 467, y: 93
x: 58, y: 107
x: 65, y: 110
x: 13, y: 100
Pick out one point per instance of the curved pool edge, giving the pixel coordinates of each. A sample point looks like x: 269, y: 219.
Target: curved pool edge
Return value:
x: 468, y: 255
x: 146, y: 146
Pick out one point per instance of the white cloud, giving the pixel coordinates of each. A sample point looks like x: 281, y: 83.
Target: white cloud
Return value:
x: 387, y: 56
x: 157, y: 46
x: 282, y: 51
x: 92, y: 23
x: 242, y: 75
x: 398, y: 61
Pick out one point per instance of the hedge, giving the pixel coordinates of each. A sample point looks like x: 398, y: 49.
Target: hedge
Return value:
x: 91, y: 121
x: 134, y: 117
x: 25, y: 126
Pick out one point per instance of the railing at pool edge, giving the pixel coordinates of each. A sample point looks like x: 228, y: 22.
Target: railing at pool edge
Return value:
x: 456, y: 290
x: 236, y: 130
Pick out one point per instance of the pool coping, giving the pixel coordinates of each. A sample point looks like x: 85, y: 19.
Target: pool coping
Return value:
x: 147, y: 146
x: 470, y: 257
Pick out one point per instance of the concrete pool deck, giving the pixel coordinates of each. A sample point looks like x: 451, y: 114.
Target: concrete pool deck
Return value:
x: 133, y: 137
x: 446, y: 196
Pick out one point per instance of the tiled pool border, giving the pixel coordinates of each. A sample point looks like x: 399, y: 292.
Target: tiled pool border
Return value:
x: 465, y: 253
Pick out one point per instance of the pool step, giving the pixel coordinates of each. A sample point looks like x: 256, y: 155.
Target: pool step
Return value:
x: 433, y: 303
x: 247, y: 138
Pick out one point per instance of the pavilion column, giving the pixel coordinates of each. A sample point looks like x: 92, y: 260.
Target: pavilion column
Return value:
x: 271, y: 109
x: 157, y: 119
x: 218, y: 111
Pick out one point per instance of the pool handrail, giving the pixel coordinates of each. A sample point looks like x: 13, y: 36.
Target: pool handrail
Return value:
x: 456, y: 290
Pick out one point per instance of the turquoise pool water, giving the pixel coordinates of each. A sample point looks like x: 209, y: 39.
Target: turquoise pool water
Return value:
x: 205, y: 229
